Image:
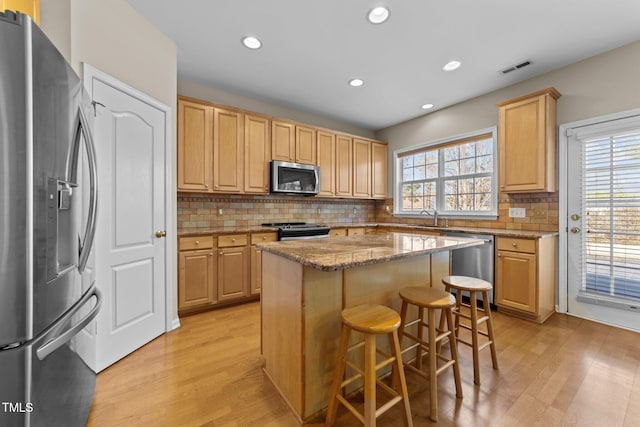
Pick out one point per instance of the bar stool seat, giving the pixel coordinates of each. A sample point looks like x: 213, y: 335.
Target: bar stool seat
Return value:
x: 473, y: 285
x: 371, y: 320
x: 430, y: 299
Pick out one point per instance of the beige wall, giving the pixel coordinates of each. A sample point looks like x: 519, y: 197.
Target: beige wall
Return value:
x: 606, y: 83
x: 218, y: 96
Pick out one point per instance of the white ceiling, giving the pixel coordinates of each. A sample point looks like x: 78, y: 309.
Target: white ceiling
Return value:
x: 312, y: 48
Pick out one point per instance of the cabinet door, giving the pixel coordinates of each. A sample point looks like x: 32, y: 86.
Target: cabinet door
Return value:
x: 257, y: 154
x: 527, y: 143
x: 355, y: 231
x: 378, y: 170
x: 196, y: 282
x: 344, y: 166
x: 233, y: 272
x: 361, y: 168
x: 28, y: 7
x: 516, y: 281
x: 228, y: 151
x: 283, y: 141
x: 256, y: 270
x: 305, y: 145
x: 327, y: 163
x: 195, y: 143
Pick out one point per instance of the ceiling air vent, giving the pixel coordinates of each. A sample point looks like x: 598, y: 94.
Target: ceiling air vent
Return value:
x: 515, y: 67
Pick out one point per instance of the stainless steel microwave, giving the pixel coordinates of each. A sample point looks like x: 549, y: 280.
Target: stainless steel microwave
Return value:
x: 299, y: 178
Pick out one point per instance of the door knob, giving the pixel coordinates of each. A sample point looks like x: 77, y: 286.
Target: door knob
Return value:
x: 575, y: 217
x: 575, y: 230
x: 161, y: 233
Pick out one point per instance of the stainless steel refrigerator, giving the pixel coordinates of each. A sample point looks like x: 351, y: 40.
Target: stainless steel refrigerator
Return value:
x: 48, y: 207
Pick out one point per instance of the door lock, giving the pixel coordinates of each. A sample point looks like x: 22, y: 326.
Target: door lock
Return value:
x: 575, y: 217
x: 161, y: 233
x: 575, y: 230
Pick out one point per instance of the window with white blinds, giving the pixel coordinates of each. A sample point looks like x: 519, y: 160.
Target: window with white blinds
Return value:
x: 455, y: 176
x: 611, y: 211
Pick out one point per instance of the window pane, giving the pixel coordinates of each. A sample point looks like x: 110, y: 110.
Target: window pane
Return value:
x: 468, y: 150
x: 451, y: 186
x: 483, y: 185
x: 419, y: 173
x: 468, y: 166
x: 483, y: 202
x: 484, y: 148
x: 451, y: 202
x: 432, y: 171
x: 407, y: 162
x: 407, y: 174
x: 484, y: 164
x: 451, y: 168
x: 431, y: 156
x: 418, y: 159
x: 451, y: 153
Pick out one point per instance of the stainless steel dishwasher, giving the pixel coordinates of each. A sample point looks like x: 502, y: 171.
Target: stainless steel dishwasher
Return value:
x: 475, y: 261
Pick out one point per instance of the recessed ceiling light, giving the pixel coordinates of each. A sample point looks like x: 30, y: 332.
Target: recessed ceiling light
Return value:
x: 251, y: 42
x: 378, y: 15
x: 427, y: 106
x: 356, y: 82
x: 452, y: 65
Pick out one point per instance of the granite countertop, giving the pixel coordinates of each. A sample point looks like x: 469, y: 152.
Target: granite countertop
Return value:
x: 354, y: 251
x: 185, y: 232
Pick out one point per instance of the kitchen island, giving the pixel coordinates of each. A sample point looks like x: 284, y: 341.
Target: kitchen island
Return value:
x: 307, y: 283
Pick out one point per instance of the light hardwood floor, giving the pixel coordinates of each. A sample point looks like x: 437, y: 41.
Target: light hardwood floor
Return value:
x: 567, y: 372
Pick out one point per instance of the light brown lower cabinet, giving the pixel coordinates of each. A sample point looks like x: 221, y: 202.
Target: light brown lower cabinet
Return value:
x: 525, y: 283
x: 218, y: 270
x: 197, y: 277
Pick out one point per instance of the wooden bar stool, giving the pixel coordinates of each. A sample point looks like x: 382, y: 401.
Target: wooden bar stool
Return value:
x: 371, y: 320
x: 430, y: 299
x: 473, y: 285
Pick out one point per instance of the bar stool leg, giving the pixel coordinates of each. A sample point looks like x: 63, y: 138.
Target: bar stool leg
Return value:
x: 494, y: 355
x: 421, y: 337
x: 338, y: 374
x: 433, y: 368
x: 458, y: 308
x: 398, y: 371
x: 370, y: 380
x: 474, y: 337
x: 454, y: 353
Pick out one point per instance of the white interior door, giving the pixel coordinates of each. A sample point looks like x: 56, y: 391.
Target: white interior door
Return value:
x: 603, y: 230
x: 130, y: 249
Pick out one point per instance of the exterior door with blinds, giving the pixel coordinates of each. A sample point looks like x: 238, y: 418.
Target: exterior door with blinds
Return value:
x: 603, y: 224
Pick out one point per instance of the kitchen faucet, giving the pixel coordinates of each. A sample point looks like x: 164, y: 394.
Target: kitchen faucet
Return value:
x: 434, y: 214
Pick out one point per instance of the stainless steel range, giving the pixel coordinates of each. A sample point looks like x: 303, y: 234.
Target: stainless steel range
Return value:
x: 299, y: 230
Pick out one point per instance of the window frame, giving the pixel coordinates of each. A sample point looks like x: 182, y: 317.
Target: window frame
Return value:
x: 440, y: 196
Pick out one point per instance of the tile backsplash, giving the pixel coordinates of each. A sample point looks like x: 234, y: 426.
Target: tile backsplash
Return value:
x: 541, y: 213
x: 217, y: 210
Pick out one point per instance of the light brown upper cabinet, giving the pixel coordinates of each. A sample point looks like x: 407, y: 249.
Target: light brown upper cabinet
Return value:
x: 527, y: 143
x: 305, y: 145
x: 257, y: 154
x: 327, y: 162
x: 195, y: 161
x: 28, y: 7
x: 361, y: 168
x: 344, y: 166
x: 378, y: 170
x: 228, y: 151
x: 283, y: 141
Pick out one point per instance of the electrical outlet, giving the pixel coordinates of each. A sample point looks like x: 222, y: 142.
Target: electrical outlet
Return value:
x: 539, y: 213
x: 517, y: 213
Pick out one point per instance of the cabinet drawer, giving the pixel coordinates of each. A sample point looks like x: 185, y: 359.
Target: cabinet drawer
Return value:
x: 196, y: 242
x: 232, y: 240
x: 355, y: 231
x: 337, y: 232
x: 263, y: 238
x: 516, y: 245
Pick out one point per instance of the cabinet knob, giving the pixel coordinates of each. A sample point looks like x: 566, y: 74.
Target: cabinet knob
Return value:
x: 197, y: 242
x: 514, y: 245
x: 210, y: 253
x: 206, y: 186
x: 264, y: 237
x: 233, y: 239
x: 220, y: 253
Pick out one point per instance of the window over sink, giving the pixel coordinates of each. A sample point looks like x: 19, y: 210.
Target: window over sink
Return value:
x: 455, y: 177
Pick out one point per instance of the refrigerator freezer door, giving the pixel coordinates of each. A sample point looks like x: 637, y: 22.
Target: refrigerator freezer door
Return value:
x: 13, y: 181
x: 45, y: 382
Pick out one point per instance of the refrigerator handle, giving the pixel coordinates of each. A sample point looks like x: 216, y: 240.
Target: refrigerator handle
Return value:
x: 60, y: 339
x: 90, y: 231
